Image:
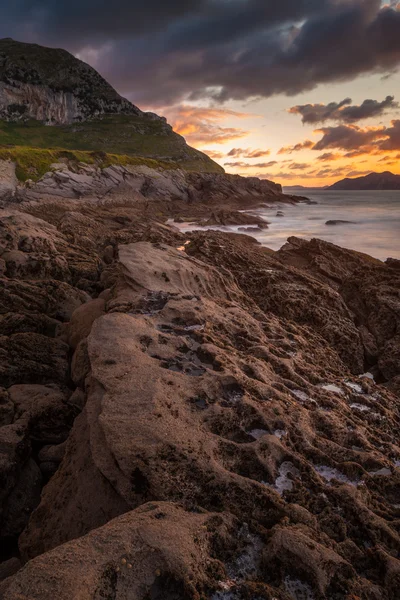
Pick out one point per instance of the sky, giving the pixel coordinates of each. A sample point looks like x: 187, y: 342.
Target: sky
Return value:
x: 299, y: 91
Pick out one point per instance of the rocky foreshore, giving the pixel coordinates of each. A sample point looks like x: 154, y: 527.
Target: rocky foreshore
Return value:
x: 191, y: 416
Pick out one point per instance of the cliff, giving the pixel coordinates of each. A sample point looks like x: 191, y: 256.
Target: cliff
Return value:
x: 50, y: 99
x: 53, y: 86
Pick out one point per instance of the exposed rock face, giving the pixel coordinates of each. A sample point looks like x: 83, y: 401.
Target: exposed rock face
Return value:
x: 52, y: 86
x: 205, y: 430
x: 368, y: 287
x: 158, y: 548
x: 8, y: 180
x: 172, y: 191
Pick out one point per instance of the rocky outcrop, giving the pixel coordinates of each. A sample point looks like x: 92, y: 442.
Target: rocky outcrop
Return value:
x: 194, y: 189
x: 169, y: 192
x: 8, y: 180
x: 157, y: 549
x: 368, y: 287
x: 53, y: 86
x: 214, y: 433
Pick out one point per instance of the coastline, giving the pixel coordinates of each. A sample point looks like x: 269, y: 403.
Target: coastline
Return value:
x: 217, y: 399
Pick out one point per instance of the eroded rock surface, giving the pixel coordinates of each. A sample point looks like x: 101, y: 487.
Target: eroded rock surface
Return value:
x: 206, y: 428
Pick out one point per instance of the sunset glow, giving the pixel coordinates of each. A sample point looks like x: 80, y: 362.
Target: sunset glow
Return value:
x: 305, y: 92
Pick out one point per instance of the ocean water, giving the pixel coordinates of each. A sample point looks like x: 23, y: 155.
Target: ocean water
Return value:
x: 375, y: 215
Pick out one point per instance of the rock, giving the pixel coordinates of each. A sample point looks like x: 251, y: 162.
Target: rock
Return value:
x: 280, y: 213
x: 313, y: 561
x: 157, y: 550
x: 82, y: 320
x: 292, y: 294
x: 339, y: 222
x: 108, y: 255
x: 393, y: 263
x: 219, y: 381
x: 6, y: 408
x: 64, y: 90
x: 226, y: 218
x: 8, y: 180
x: 214, y: 369
x: 47, y: 409
x: 325, y: 261
x: 23, y: 499
x: 80, y: 366
x: 9, y: 568
x: 53, y: 454
x: 31, y: 357
x: 250, y: 229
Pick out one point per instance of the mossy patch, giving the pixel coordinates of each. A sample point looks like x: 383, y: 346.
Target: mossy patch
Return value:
x: 33, y: 163
x: 122, y: 135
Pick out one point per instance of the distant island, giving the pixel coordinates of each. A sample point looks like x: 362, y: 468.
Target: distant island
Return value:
x: 373, y: 181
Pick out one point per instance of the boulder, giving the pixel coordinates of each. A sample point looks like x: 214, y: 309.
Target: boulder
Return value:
x: 157, y: 551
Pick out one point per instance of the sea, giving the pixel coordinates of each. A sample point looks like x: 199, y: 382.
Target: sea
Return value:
x: 374, y: 216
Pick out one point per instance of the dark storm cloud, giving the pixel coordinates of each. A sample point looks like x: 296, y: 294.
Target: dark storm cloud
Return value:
x: 355, y: 140
x: 393, y: 140
x: 159, y: 51
x: 348, y: 137
x: 343, y: 111
x: 78, y: 22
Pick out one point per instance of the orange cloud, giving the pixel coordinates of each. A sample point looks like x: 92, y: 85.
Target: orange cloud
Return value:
x: 329, y: 156
x: 297, y: 147
x: 244, y: 165
x: 248, y: 153
x: 202, y: 125
x: 214, y: 154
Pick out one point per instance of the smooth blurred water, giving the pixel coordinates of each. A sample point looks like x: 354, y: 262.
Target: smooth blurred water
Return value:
x: 376, y: 215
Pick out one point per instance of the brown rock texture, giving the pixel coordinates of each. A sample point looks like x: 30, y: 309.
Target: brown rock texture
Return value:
x: 192, y: 418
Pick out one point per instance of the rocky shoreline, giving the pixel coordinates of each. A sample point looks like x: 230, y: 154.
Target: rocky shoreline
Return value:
x: 191, y: 417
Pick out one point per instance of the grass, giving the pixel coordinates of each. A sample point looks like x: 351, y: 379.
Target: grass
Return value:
x: 33, y: 163
x: 121, y: 137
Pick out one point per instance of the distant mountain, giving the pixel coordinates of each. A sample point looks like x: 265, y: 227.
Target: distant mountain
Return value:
x: 50, y: 99
x: 373, y: 181
x: 294, y: 187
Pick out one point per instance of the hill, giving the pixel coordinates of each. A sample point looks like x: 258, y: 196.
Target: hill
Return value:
x: 51, y: 100
x: 373, y: 181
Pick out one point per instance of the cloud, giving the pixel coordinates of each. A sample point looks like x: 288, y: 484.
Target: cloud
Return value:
x: 298, y: 166
x: 324, y: 173
x: 162, y: 53
x: 266, y: 165
x: 248, y: 153
x: 343, y: 111
x: 329, y: 156
x: 357, y: 140
x: 393, y: 137
x: 236, y: 164
x: 357, y: 173
x: 282, y: 175
x: 202, y: 125
x: 213, y: 154
x: 348, y: 137
x: 297, y: 147
x: 244, y: 165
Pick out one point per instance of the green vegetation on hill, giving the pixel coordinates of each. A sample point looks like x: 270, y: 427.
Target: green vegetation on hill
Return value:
x: 33, y: 163
x: 84, y: 111
x: 128, y: 136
